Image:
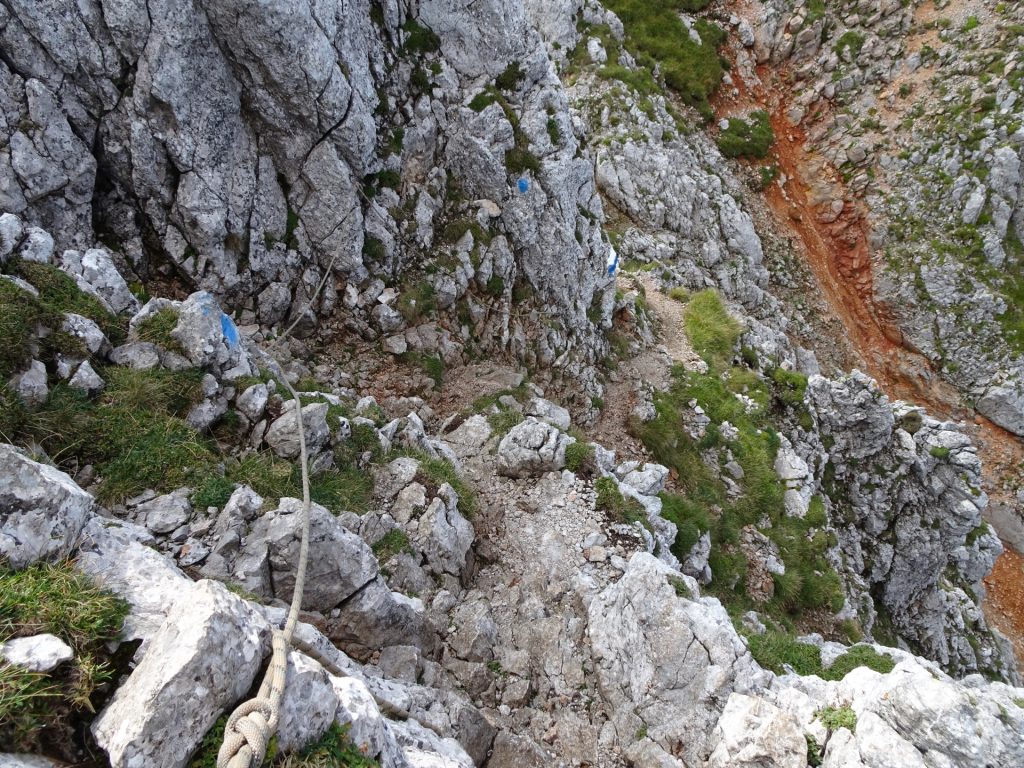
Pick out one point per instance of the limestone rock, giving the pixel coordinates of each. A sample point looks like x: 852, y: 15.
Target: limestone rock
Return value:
x: 165, y: 513
x: 42, y: 510
x: 531, y: 449
x: 751, y: 732
x: 203, y: 659
x: 664, y: 662
x: 340, y: 564
x: 95, y: 268
x: 38, y: 653
x: 30, y: 384
x: 545, y: 410
x: 210, y: 338
x: 86, y: 380
x: 87, y: 332
x: 283, y: 434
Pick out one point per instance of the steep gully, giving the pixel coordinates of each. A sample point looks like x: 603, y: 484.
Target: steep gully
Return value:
x: 837, y: 252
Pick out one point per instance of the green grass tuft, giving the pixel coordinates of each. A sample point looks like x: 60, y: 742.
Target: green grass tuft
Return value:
x: 744, y: 138
x: 579, y: 458
x: 621, y: 509
x: 55, y: 599
x: 157, y: 329
x: 214, y: 491
x: 390, y: 544
x: 437, y: 472
x: 711, y: 329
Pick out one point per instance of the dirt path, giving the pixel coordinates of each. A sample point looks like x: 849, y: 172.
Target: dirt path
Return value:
x: 652, y: 367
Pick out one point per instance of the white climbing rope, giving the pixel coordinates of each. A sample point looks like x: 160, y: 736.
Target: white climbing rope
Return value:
x: 250, y: 727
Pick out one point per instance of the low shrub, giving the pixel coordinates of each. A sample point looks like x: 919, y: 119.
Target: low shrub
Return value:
x: 742, y: 138
x: 834, y: 718
x: 859, y: 656
x: 579, y: 458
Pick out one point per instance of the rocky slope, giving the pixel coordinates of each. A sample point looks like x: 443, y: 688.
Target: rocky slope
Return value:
x: 251, y: 154
x: 745, y: 563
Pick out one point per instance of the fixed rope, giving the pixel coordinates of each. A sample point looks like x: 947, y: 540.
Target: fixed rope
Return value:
x: 250, y: 727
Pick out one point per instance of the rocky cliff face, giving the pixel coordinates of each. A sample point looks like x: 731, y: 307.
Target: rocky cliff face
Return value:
x: 252, y: 153
x: 917, y: 109
x: 795, y: 582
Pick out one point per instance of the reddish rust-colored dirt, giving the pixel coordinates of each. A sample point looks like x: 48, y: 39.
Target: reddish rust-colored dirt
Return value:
x: 1005, y: 604
x: 839, y: 257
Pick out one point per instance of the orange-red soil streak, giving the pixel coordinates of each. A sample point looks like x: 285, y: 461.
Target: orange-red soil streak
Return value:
x: 837, y: 251
x: 1004, y: 607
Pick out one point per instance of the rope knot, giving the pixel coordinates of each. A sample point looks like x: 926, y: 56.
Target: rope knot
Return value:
x: 246, y: 735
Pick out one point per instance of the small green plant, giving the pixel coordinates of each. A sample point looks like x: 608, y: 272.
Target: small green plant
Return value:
x: 680, y: 586
x: 776, y: 650
x: 519, y: 160
x: 971, y: 23
x: 834, y: 718
x: 417, y: 302
x: 790, y: 386
x: 157, y: 329
x: 766, y: 175
x: 419, y: 39
x: 621, y: 509
x: 813, y: 751
x: 579, y: 458
x: 432, y: 365
x: 495, y: 286
x: 939, y: 452
x: 852, y: 41
x: 483, y: 100
x: 510, y: 78
x: 28, y: 321
x: 554, y: 133
x: 390, y: 544
x: 742, y: 138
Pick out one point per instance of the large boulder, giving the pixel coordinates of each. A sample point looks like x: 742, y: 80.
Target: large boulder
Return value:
x: 532, y: 448
x: 340, y: 563
x: 42, y: 510
x: 283, y: 435
x: 1004, y: 404
x: 752, y: 733
x: 665, y: 663
x: 202, y: 660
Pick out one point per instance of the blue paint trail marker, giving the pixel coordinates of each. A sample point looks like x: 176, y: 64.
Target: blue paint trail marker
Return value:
x: 613, y: 260
x: 524, y: 186
x: 227, y: 327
